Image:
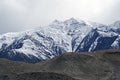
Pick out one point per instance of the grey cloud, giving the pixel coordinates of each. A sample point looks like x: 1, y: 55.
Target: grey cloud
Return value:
x: 17, y: 15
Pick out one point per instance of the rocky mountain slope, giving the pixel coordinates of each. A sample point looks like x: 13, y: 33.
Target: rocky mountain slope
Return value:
x: 71, y: 35
x: 100, y: 65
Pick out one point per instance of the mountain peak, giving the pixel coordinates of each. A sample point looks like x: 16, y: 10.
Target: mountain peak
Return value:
x: 74, y: 21
x: 56, y: 21
x: 71, y: 20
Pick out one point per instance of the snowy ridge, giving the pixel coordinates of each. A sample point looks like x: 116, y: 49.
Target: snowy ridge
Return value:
x: 57, y: 38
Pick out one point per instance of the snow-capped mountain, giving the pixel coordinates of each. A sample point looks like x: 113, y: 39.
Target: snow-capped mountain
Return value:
x: 57, y: 38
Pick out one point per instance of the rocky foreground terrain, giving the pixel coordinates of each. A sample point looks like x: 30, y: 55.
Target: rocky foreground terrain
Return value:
x: 99, y: 65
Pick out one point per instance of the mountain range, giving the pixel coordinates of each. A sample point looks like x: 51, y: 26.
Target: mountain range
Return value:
x: 72, y: 35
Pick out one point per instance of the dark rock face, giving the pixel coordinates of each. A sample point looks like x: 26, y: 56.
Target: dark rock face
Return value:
x: 87, y: 41
x: 96, y: 41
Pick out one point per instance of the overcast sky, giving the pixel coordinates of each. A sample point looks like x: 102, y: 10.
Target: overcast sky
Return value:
x: 17, y: 15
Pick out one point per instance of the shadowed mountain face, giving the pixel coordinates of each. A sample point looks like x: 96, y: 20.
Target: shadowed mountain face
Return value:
x: 100, y: 65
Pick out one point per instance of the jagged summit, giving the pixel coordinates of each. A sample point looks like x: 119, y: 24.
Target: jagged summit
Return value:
x: 74, y: 21
x: 56, y: 22
x: 71, y: 20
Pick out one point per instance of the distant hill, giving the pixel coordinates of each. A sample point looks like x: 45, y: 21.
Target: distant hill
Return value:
x: 100, y: 65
